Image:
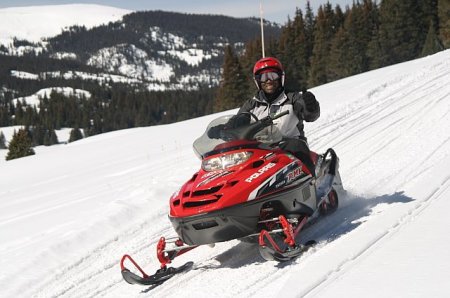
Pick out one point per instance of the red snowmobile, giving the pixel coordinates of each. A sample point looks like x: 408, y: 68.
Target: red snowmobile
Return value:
x: 249, y: 189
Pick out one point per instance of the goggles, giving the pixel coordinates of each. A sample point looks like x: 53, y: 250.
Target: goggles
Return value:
x: 264, y: 77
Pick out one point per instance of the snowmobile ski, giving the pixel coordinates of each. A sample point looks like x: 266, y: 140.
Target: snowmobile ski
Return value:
x: 270, y: 254
x: 160, y: 276
x: 270, y: 250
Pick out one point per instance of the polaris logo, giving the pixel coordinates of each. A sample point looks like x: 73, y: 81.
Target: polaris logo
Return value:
x: 260, y: 172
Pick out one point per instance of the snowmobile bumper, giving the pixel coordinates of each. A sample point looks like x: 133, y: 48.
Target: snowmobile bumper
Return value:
x: 240, y: 220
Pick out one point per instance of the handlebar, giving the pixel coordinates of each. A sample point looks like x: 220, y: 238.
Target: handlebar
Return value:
x: 268, y: 120
x: 247, y: 131
x: 280, y: 115
x: 260, y: 124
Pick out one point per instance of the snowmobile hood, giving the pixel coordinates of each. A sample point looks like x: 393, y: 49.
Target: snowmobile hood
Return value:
x: 265, y: 172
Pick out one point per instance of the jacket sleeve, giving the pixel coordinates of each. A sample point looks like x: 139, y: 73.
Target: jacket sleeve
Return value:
x: 300, y: 108
x: 247, y: 106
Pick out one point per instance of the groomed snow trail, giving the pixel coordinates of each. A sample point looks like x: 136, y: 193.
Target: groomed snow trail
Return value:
x: 389, y: 128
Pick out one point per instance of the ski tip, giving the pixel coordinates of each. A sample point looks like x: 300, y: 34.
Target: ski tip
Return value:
x: 159, y: 277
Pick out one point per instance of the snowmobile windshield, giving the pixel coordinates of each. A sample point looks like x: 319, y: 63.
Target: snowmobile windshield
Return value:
x: 207, y: 142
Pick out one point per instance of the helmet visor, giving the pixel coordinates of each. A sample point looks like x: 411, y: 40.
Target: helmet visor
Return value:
x: 264, y: 77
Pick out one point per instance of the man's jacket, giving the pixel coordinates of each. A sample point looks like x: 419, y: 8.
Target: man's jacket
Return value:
x: 291, y: 125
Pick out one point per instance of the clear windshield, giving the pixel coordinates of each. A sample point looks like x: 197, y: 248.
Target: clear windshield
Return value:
x: 205, y: 144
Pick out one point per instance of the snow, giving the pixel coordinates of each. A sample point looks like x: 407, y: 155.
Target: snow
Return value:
x: 33, y: 100
x: 101, y: 77
x: 118, y: 58
x: 169, y: 40
x: 21, y: 22
x: 192, y: 56
x: 64, y: 56
x: 68, y: 213
x: 24, y: 75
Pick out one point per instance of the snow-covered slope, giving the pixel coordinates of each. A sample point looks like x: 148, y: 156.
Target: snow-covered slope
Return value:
x: 35, y: 22
x: 68, y: 213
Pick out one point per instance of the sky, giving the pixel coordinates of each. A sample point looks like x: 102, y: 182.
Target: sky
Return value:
x: 274, y: 10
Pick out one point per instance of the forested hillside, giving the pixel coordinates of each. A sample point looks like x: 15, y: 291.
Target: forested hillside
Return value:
x: 149, y: 68
x: 335, y: 42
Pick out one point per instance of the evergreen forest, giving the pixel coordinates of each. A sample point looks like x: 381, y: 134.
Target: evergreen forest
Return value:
x: 334, y: 43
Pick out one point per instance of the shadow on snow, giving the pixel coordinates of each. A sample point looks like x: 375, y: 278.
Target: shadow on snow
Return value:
x: 353, y: 211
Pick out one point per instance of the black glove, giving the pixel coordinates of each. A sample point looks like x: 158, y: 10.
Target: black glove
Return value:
x: 214, y: 132
x: 310, y: 101
x: 219, y: 131
x: 238, y: 121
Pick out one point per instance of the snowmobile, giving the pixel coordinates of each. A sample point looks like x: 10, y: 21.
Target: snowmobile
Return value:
x: 248, y: 189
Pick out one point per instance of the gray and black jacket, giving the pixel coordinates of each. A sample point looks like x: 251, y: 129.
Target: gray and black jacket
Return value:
x: 290, y: 126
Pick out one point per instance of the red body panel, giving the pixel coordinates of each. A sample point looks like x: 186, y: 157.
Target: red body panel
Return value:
x: 209, y: 191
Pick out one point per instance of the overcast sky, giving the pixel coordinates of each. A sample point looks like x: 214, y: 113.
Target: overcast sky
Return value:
x: 274, y: 10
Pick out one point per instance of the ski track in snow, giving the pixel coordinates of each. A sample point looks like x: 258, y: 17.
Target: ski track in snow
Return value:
x: 414, y: 99
x: 384, y: 122
x: 376, y: 242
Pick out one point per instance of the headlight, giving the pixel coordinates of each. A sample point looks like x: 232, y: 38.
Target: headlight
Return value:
x: 225, y: 161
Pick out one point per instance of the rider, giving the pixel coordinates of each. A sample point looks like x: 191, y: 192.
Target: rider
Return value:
x: 271, y: 98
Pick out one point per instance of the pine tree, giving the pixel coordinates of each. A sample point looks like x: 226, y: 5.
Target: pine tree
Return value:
x: 317, y: 73
x: 50, y: 137
x: 46, y: 139
x: 340, y: 52
x: 18, y: 113
x: 5, y: 119
x: 444, y: 22
x: 309, y: 31
x: 234, y: 85
x: 37, y: 134
x: 252, y: 53
x: 271, y: 47
x: 53, y: 137
x: 287, y: 53
x: 432, y: 44
x: 2, y: 141
x: 75, y: 135
x: 20, y: 145
x: 367, y: 25
x: 324, y: 32
x: 402, y: 31
x: 348, y: 54
x: 430, y: 13
x: 294, y: 50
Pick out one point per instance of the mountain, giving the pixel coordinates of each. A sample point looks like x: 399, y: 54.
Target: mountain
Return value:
x: 142, y: 68
x: 147, y: 50
x: 68, y: 213
x: 34, y: 23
